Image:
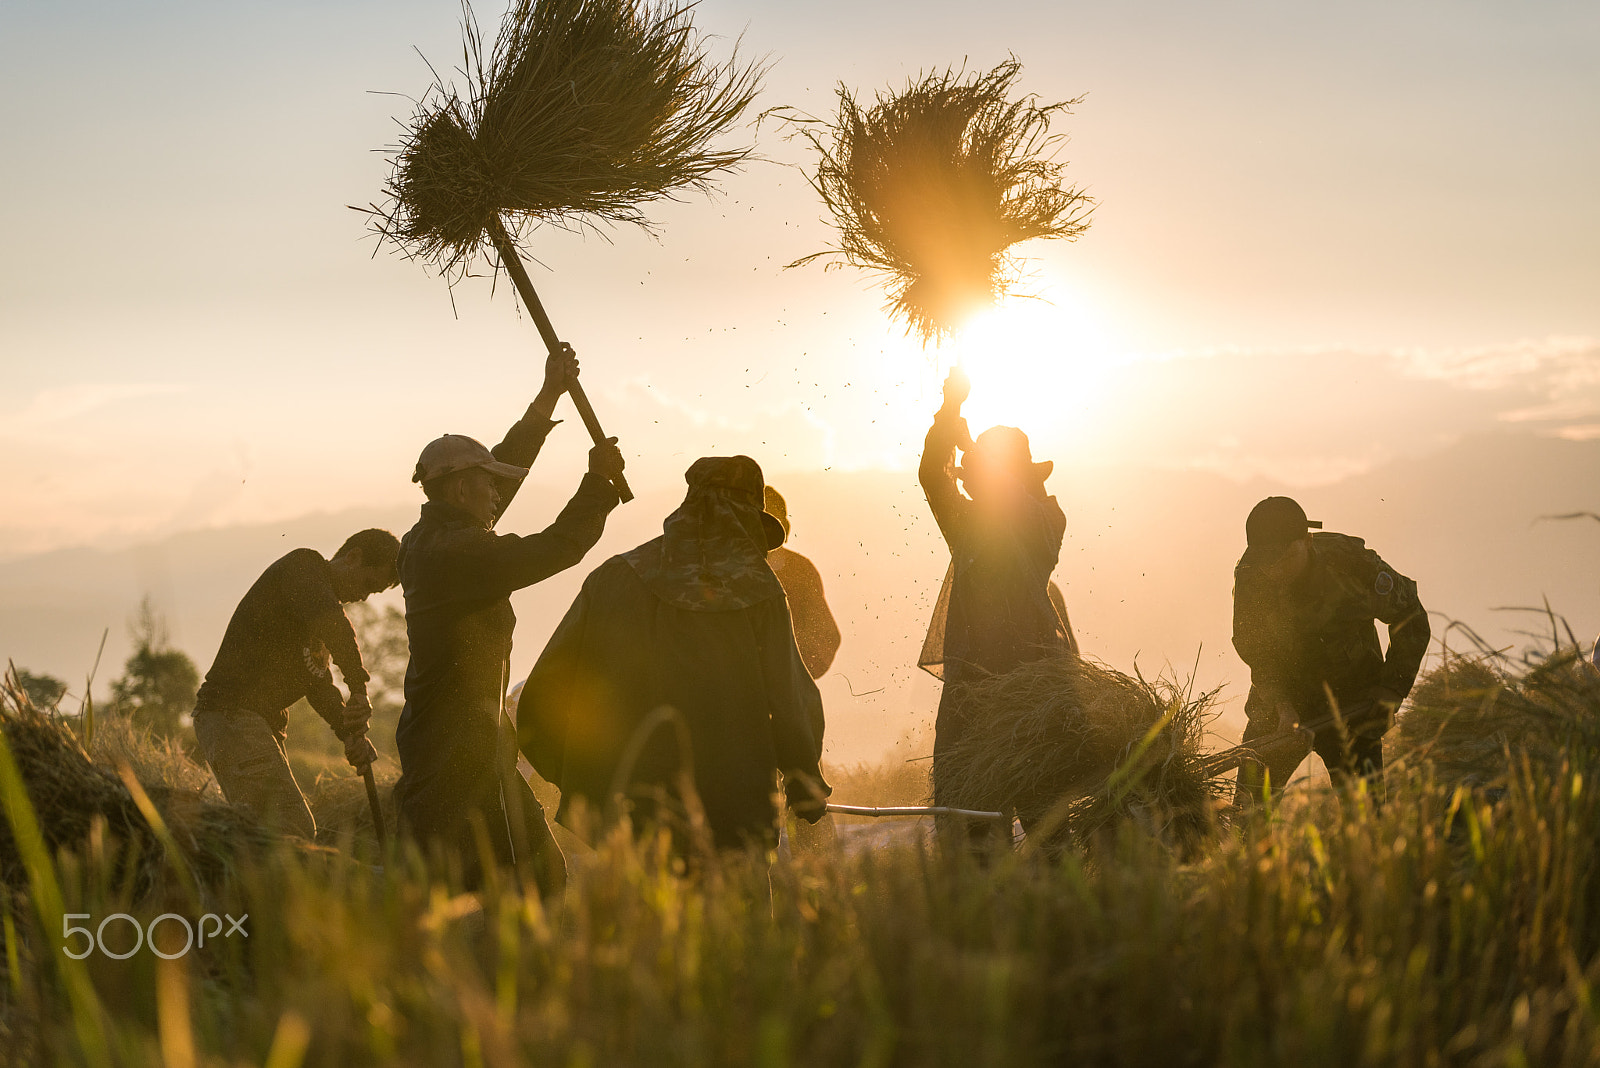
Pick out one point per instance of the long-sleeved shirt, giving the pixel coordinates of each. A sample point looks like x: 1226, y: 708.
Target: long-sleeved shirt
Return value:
x: 277, y: 647
x: 1320, y: 630
x: 458, y: 577
x: 998, y: 612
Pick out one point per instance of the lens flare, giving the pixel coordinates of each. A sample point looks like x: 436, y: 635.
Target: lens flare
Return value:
x: 1044, y: 366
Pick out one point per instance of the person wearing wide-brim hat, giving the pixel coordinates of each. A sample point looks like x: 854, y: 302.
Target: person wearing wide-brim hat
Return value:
x: 995, y: 611
x: 457, y: 767
x: 673, y: 688
x: 1304, y: 607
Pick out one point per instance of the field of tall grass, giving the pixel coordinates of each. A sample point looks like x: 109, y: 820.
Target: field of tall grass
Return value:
x: 1451, y: 924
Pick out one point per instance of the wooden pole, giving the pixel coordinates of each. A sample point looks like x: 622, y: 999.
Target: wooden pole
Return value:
x: 376, y: 806
x: 530, y: 300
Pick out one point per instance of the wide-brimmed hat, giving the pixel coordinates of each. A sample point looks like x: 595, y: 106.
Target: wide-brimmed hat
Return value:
x: 1003, y: 448
x: 457, y: 452
x: 738, y: 478
x: 1275, y: 523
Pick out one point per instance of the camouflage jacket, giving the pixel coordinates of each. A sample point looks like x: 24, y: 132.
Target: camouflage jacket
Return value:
x: 1319, y: 631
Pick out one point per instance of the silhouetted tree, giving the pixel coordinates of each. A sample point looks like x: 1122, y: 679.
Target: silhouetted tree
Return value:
x: 385, y: 652
x: 45, y: 691
x: 158, y: 683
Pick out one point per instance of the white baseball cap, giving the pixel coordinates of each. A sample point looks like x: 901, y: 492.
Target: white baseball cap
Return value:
x: 457, y: 452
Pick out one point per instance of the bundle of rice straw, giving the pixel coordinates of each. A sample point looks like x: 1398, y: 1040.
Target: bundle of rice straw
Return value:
x: 932, y: 186
x: 584, y: 110
x: 1473, y: 718
x: 70, y: 794
x: 1074, y: 748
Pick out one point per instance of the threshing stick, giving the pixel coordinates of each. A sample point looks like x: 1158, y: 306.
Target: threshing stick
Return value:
x: 530, y: 300
x: 377, y: 809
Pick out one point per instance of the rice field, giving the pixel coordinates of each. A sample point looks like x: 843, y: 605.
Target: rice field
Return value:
x: 1457, y: 924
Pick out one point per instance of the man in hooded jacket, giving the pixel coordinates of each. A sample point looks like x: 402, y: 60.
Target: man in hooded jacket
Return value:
x: 677, y: 666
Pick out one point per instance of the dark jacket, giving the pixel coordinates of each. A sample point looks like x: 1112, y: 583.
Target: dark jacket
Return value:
x: 1320, y: 631
x: 278, y: 645
x: 695, y: 622
x: 996, y: 612
x: 458, y: 578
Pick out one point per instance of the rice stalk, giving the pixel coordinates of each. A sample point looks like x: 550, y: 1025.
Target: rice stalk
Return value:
x: 1475, y: 718
x: 931, y: 186
x: 582, y: 111
x: 1076, y: 748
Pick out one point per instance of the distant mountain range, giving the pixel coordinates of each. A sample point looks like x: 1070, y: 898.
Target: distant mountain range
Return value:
x: 1146, y: 569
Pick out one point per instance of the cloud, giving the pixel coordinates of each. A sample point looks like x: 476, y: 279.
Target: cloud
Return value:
x: 1311, y: 416
x: 1555, y: 381
x: 52, y: 406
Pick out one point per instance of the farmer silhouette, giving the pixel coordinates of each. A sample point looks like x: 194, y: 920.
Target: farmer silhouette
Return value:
x: 995, y: 611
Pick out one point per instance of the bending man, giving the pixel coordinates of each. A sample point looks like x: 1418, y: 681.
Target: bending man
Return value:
x: 276, y: 650
x: 1303, y: 611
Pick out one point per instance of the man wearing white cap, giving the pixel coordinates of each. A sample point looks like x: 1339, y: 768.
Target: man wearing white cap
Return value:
x: 458, y: 576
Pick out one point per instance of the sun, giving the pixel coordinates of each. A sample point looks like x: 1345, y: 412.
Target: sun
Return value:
x: 1042, y: 365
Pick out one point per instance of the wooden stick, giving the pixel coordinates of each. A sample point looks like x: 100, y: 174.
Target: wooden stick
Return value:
x: 376, y: 806
x: 530, y: 300
x: 915, y: 810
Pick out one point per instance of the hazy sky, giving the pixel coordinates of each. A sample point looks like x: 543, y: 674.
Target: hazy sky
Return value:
x: 1328, y: 234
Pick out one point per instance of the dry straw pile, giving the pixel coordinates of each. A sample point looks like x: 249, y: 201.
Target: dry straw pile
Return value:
x: 583, y: 110
x: 931, y: 186
x: 88, y: 808
x: 1474, y: 718
x: 1075, y: 748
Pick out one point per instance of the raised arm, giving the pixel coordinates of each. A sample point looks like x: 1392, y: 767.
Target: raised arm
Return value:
x: 482, y: 564
x: 937, y: 472
x: 527, y: 435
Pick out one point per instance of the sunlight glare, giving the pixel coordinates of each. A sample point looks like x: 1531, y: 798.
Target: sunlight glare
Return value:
x: 1040, y: 365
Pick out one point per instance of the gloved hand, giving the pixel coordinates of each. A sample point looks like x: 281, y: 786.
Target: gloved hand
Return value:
x: 606, y: 460
x: 806, y: 796
x: 560, y: 371
x: 357, y: 714
x: 359, y: 751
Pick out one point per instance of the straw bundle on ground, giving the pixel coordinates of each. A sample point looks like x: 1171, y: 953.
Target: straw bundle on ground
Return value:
x: 1471, y: 717
x: 1074, y: 747
x: 583, y: 110
x: 71, y: 795
x: 338, y: 800
x: 932, y: 185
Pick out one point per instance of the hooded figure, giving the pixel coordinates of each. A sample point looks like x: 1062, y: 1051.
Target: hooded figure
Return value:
x: 677, y: 664
x: 995, y: 611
